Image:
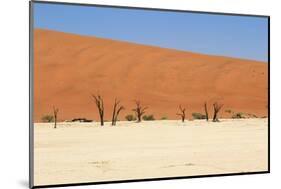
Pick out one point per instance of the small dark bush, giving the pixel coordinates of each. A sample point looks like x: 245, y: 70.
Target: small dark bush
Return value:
x: 196, y: 115
x: 164, y: 118
x: 130, y: 117
x: 148, y: 117
x: 251, y: 116
x: 228, y: 111
x: 47, y: 118
x: 81, y: 120
x: 238, y: 115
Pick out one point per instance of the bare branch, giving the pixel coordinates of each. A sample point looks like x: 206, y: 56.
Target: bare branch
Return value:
x: 99, y: 103
x: 182, y: 113
x: 217, y: 107
x: 116, y: 111
x: 139, y: 110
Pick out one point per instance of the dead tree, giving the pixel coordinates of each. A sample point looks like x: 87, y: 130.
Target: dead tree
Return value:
x: 206, y: 111
x: 182, y: 113
x: 99, y: 103
x: 139, y: 111
x: 55, y: 110
x: 116, y: 110
x: 117, y: 113
x: 217, y: 108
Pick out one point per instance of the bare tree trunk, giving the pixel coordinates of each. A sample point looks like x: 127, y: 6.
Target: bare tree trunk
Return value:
x: 217, y: 108
x: 139, y: 117
x: 206, y: 111
x: 56, y: 110
x: 116, y: 113
x: 100, y: 106
x: 139, y: 111
x: 182, y: 114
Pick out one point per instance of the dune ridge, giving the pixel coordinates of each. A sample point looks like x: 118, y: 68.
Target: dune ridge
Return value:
x: 68, y: 68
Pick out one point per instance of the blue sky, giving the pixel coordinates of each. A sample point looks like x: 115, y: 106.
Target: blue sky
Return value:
x: 234, y: 36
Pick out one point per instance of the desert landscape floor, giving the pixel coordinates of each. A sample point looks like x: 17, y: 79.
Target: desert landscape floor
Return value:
x: 87, y: 152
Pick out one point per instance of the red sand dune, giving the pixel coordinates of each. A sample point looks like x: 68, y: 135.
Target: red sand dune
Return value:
x: 68, y: 68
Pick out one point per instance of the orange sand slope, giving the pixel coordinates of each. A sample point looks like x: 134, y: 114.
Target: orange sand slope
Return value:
x: 68, y: 68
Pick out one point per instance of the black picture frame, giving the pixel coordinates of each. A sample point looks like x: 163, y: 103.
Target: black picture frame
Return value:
x: 31, y: 129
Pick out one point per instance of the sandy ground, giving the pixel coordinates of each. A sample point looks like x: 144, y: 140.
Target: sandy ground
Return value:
x: 85, y: 152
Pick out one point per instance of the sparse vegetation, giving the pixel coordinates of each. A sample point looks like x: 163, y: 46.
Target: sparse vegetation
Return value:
x: 197, y: 115
x: 130, y: 117
x: 81, y: 120
x: 47, y: 118
x: 164, y: 118
x: 252, y: 115
x: 148, y: 117
x: 228, y: 111
x: 238, y: 115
